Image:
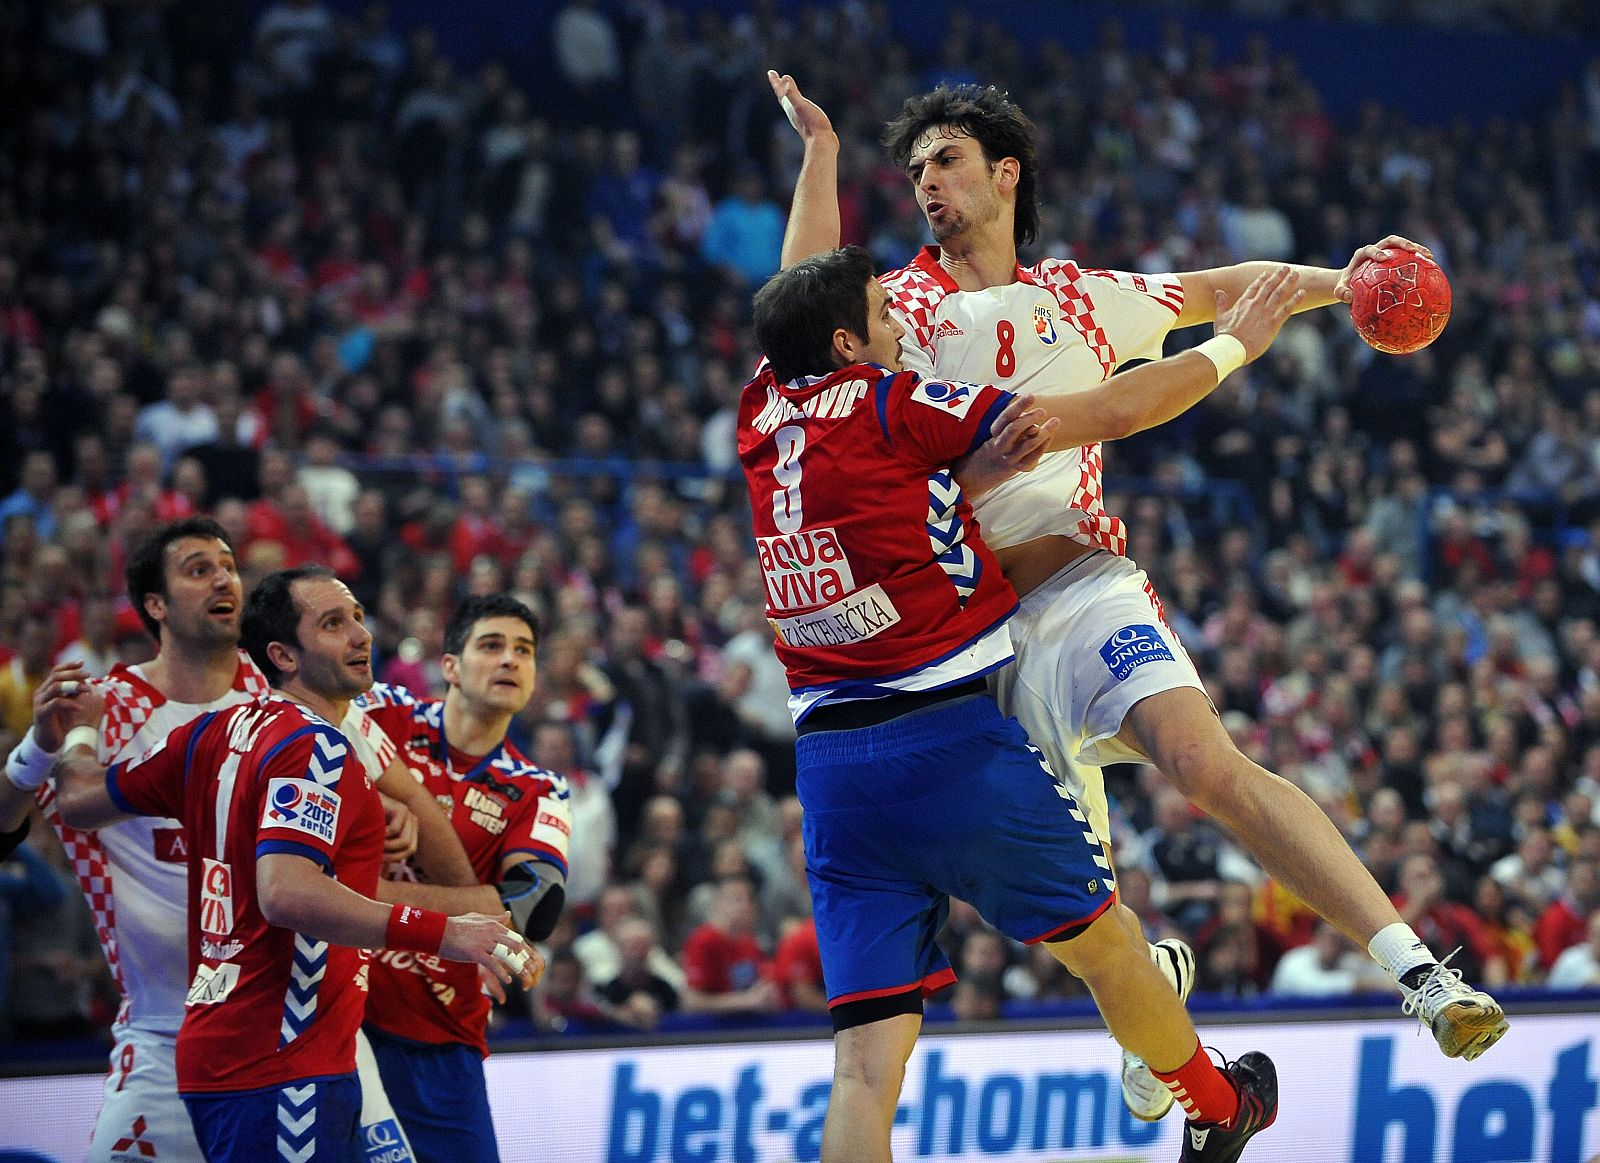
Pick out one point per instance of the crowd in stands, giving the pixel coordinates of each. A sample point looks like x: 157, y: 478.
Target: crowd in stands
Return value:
x: 459, y: 331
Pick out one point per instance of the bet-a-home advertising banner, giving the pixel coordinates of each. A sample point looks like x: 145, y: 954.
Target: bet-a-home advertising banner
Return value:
x: 1355, y: 1092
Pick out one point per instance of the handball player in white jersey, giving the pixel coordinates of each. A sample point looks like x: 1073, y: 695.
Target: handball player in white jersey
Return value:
x: 1100, y: 677
x: 185, y: 585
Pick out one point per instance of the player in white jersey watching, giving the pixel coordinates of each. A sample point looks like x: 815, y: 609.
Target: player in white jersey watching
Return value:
x: 1099, y: 675
x: 185, y: 585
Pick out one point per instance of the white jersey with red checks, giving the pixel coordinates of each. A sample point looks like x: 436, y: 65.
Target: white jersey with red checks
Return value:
x: 266, y: 1005
x: 500, y: 805
x: 876, y: 581
x: 134, y: 873
x: 1057, y: 328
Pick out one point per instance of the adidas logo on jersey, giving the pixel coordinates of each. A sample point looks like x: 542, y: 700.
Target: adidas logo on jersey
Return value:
x: 946, y: 330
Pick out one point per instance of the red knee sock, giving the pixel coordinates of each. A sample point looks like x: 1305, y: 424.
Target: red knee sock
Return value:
x: 1206, y: 1094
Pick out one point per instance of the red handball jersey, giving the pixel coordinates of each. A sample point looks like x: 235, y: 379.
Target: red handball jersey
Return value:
x: 876, y: 580
x: 266, y: 1005
x: 501, y: 805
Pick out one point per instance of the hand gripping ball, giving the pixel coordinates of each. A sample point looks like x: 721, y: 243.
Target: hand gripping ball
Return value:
x: 1399, y: 303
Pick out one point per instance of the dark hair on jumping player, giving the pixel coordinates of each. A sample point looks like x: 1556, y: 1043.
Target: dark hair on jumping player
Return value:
x: 271, y: 615
x: 990, y: 118
x: 146, y: 572
x: 799, y: 309
x: 475, y: 609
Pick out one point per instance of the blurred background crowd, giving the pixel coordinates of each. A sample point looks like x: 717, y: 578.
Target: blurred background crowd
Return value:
x: 456, y: 329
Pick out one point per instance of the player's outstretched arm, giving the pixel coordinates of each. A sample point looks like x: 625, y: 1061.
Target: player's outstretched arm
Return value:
x: 814, y: 214
x: 440, y: 856
x: 1323, y: 286
x: 1157, y: 392
x: 1021, y: 434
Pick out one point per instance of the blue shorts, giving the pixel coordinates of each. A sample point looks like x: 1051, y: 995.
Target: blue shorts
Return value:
x: 310, y: 1120
x: 439, y: 1096
x: 947, y: 801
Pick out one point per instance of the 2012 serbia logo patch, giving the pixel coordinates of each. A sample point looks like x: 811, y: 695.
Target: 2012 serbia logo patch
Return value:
x: 1133, y: 646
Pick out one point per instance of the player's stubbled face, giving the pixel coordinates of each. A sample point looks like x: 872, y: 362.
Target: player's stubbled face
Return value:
x: 335, y: 644
x: 883, y: 330
x: 954, y: 183
x: 204, y: 594
x: 495, y: 669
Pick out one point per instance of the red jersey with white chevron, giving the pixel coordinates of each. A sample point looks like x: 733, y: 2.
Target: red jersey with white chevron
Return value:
x: 876, y: 580
x: 134, y: 873
x: 1057, y: 328
x: 266, y: 1005
x: 501, y: 805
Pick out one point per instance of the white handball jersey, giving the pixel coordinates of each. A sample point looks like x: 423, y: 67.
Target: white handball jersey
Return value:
x: 1057, y: 328
x: 135, y: 873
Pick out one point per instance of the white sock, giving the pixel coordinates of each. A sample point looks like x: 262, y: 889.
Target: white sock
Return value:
x: 1399, y: 950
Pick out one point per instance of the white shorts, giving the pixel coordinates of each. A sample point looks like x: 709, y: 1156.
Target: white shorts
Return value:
x: 142, y: 1116
x: 1090, y: 643
x: 383, y: 1139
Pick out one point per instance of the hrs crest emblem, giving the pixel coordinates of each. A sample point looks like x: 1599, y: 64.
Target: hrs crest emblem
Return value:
x: 1044, y: 324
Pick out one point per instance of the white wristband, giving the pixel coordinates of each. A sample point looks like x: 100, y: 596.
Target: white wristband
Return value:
x: 29, y: 765
x: 1226, y: 354
x: 82, y: 736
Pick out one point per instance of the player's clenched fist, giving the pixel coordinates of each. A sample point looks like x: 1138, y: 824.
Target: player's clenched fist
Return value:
x: 65, y: 699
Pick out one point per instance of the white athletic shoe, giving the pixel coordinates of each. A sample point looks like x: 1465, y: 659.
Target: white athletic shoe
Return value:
x: 1147, y: 1096
x: 1465, y: 1021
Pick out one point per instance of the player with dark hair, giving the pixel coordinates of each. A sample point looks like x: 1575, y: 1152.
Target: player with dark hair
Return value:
x: 889, y: 612
x: 1100, y: 676
x: 285, y: 840
x: 426, y: 1018
x: 185, y: 585
x: 184, y: 582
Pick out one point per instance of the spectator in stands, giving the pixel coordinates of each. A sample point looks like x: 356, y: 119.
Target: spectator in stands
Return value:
x: 95, y: 646
x: 1327, y: 967
x: 745, y: 233
x: 29, y: 887
x: 1443, y: 924
x: 57, y: 966
x: 1183, y: 856
x: 35, y: 492
x: 180, y: 421
x: 35, y: 649
x: 1235, y: 905
x: 638, y: 995
x: 725, y: 969
x: 1564, y: 921
x: 1578, y: 967
x: 593, y: 818
x: 565, y: 999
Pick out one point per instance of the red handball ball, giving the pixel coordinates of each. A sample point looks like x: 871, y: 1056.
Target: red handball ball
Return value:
x: 1399, y: 303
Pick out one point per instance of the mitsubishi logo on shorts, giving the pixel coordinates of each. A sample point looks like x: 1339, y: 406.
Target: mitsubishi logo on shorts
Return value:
x: 136, y: 1143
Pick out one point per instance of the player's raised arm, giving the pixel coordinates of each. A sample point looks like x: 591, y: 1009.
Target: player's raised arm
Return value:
x: 814, y: 214
x: 1139, y: 399
x: 1157, y: 392
x: 1323, y: 286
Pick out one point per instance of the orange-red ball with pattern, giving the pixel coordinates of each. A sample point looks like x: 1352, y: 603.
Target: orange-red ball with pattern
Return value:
x: 1399, y: 303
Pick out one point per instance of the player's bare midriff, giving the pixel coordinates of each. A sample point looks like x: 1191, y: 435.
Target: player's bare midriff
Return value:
x: 1029, y: 565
